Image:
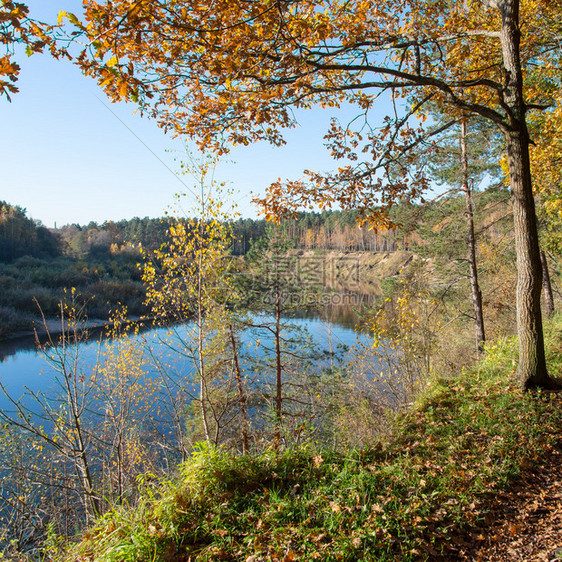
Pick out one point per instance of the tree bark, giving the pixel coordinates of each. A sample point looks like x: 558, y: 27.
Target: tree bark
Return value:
x: 203, y: 394
x: 476, y: 293
x: 242, y: 399
x: 547, y: 287
x: 278, y: 372
x: 531, y: 371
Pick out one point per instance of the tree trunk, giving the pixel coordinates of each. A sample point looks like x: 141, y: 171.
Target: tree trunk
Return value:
x: 476, y: 293
x: 82, y: 469
x: 242, y: 399
x: 200, y: 337
x: 531, y: 371
x: 547, y: 287
x: 278, y: 371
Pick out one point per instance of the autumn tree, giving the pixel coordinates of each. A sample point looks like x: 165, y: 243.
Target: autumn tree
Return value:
x: 127, y: 446
x: 403, y: 329
x: 17, y: 27
x: 189, y: 279
x: 462, y: 156
x: 20, y: 235
x: 233, y: 72
x: 59, y: 423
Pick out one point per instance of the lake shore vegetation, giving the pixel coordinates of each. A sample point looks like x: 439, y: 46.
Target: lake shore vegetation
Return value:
x: 434, y: 473
x: 365, y: 404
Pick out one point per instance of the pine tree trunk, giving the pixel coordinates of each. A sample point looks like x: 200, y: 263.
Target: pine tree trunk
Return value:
x: 476, y: 293
x: 242, y: 399
x: 278, y: 371
x: 531, y: 371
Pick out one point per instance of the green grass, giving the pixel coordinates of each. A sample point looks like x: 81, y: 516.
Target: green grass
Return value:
x: 465, y: 439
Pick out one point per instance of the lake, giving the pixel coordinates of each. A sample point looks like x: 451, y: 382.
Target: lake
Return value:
x: 22, y: 366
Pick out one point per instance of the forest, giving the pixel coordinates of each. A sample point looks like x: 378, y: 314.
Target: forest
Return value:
x: 370, y: 372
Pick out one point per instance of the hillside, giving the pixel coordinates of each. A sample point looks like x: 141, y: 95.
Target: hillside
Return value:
x: 427, y: 489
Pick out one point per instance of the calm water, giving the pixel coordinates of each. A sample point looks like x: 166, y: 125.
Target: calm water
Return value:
x: 21, y: 365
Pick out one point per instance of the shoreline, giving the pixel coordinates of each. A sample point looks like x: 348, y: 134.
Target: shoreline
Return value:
x: 53, y: 327
x: 27, y: 340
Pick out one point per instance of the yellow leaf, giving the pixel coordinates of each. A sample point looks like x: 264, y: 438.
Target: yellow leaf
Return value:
x: 123, y: 89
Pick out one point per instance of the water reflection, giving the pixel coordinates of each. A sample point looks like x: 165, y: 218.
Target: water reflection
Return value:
x: 340, y: 309
x: 15, y: 345
x: 23, y: 365
x: 345, y: 312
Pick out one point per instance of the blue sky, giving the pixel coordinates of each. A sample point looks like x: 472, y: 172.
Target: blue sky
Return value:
x: 67, y: 158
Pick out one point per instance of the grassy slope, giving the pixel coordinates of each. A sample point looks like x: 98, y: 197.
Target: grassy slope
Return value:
x: 465, y: 439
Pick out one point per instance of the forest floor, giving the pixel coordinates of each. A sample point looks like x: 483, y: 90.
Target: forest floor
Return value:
x: 524, y: 522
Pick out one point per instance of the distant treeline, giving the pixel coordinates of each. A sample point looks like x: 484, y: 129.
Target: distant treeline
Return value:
x: 22, y: 236
x: 330, y: 230
x: 327, y: 230
x: 101, y: 260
